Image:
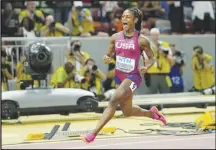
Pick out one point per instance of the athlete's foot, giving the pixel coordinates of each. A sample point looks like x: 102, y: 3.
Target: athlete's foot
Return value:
x: 89, y: 138
x: 157, y: 115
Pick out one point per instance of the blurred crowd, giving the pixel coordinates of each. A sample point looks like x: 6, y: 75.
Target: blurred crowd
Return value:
x: 102, y: 18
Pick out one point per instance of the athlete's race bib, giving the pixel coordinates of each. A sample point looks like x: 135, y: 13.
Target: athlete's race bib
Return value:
x: 133, y: 86
x: 125, y: 64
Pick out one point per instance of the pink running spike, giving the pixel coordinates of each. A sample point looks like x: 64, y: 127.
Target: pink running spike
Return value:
x: 89, y: 138
x: 157, y: 115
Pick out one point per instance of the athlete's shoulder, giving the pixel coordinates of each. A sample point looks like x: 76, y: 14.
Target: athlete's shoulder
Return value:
x: 143, y: 37
x: 144, y: 40
x: 116, y: 34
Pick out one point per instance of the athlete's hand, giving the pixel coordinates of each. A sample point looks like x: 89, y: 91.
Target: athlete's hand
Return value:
x: 106, y: 59
x: 143, y: 69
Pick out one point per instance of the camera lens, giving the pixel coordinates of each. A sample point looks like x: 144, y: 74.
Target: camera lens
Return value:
x: 41, y: 56
x: 83, y: 80
x: 94, y: 68
x: 77, y: 47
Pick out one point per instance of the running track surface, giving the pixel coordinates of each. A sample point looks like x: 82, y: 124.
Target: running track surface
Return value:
x: 206, y: 141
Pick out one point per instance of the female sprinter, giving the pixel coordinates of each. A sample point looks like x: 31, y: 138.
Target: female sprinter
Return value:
x: 128, y: 46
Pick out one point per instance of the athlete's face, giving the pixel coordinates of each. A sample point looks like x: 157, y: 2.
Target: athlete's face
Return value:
x: 127, y: 20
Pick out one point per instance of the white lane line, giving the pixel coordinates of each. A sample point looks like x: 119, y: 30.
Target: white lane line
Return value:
x: 140, y: 142
x: 9, y: 135
x: 79, y: 140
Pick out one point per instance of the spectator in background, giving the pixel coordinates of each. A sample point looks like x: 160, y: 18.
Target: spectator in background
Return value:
x: 76, y: 55
x: 134, y: 3
x: 203, y: 69
x: 34, y: 14
x: 116, y: 24
x: 108, y: 7
x: 165, y: 7
x: 87, y: 2
x: 64, y: 77
x: 93, y: 77
x: 176, y: 17
x: 5, y: 71
x: 27, y: 27
x: 11, y: 52
x: 124, y: 4
x: 157, y: 78
x: 188, y: 10
x: 21, y: 76
x: 52, y: 28
x: 163, y: 24
x: 9, y: 21
x: 177, y: 72
x: 80, y: 20
x: 26, y: 30
x: 109, y: 84
x: 152, y: 11
x: 203, y: 17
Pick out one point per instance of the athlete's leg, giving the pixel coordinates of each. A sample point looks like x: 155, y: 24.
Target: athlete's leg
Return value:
x: 129, y: 110
x: 132, y: 110
x: 121, y: 93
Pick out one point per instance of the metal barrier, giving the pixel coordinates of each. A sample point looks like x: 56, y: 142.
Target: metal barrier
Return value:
x: 170, y: 99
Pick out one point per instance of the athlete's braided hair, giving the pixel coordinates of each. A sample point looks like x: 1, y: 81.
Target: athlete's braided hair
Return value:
x: 137, y: 14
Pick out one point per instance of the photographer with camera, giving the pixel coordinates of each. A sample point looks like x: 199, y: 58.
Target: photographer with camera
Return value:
x: 76, y: 55
x: 66, y: 77
x: 80, y: 21
x: 32, y: 13
x: 157, y: 78
x: 53, y: 28
x: 203, y: 70
x: 23, y: 78
x: 5, y: 71
x: 93, y: 76
x: 177, y: 72
x: 109, y: 84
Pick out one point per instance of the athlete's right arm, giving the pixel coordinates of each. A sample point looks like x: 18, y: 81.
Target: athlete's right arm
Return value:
x: 111, y: 49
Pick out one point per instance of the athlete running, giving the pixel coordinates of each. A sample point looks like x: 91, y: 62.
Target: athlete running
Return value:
x: 128, y: 45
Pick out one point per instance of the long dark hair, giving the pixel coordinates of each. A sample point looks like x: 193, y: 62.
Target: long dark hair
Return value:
x: 137, y: 14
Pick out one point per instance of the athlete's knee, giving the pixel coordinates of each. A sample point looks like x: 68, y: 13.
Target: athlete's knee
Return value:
x: 119, y: 95
x: 113, y: 102
x: 127, y: 113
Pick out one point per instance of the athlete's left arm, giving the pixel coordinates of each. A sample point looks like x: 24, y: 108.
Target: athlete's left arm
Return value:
x: 145, y: 46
